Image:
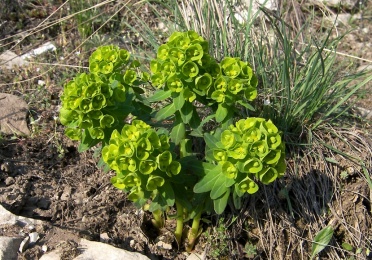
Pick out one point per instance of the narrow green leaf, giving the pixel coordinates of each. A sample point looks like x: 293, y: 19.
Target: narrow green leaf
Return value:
x: 347, y: 246
x: 160, y: 95
x: 221, y: 186
x: 87, y: 142
x: 186, y: 112
x: 331, y: 160
x: 166, y: 192
x: 195, y: 119
x: 165, y: 112
x: 321, y: 240
x: 210, y: 141
x: 178, y: 100
x: 246, y: 105
x: 207, y: 182
x: 178, y: 133
x: 221, y: 113
x: 220, y: 203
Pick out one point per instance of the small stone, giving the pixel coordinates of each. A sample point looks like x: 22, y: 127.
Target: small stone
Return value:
x: 9, y: 181
x: 34, y: 237
x: 44, y: 248
x: 31, y: 227
x: 6, y: 167
x: 163, y: 245
x: 13, y: 115
x: 24, y: 244
x: 132, y: 243
x: 104, y: 237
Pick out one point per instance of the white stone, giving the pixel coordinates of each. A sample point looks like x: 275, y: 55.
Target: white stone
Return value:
x: 99, y: 251
x: 44, y: 248
x: 34, y: 237
x: 9, y: 247
x: 195, y: 256
x: 104, y: 237
x: 24, y: 244
x: 336, y: 3
x: 8, y: 218
x: 48, y: 46
x: 52, y: 255
x: 13, y: 114
x: 9, y: 59
x: 164, y: 245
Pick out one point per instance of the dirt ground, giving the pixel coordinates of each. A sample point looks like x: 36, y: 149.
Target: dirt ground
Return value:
x: 45, y: 177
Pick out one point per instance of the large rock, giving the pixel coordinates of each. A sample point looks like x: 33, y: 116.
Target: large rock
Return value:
x: 88, y: 249
x: 9, y: 60
x: 93, y: 250
x: 9, y: 247
x: 13, y: 115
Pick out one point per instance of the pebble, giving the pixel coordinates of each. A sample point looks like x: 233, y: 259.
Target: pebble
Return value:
x: 163, y: 245
x: 34, y: 237
x: 9, y: 181
x: 24, y: 244
x: 44, y: 248
x: 104, y: 237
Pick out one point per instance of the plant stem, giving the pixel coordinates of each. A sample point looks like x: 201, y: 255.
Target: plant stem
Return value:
x: 158, y: 220
x: 179, y: 227
x: 194, y: 232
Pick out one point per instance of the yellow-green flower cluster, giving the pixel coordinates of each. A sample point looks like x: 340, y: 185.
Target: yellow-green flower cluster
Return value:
x: 184, y: 66
x: 93, y: 102
x: 251, y: 149
x: 141, y: 158
x: 236, y: 78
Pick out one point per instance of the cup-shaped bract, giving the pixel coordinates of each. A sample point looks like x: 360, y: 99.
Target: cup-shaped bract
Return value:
x: 248, y: 185
x: 204, y: 82
x: 190, y: 69
x: 93, y: 103
x: 175, y: 84
x: 153, y: 182
x: 142, y: 160
x: 248, y: 151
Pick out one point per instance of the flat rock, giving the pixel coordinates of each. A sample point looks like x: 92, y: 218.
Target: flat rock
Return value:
x: 13, y: 115
x: 349, y: 4
x: 9, y: 59
x: 9, y: 247
x: 93, y: 250
x: 8, y: 218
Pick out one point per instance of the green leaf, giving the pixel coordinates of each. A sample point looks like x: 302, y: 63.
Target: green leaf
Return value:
x: 246, y: 105
x: 165, y: 112
x: 210, y: 141
x: 220, y: 203
x: 331, y: 160
x: 321, y: 240
x: 87, y: 142
x: 221, y: 186
x: 186, y: 112
x: 221, y: 113
x: 178, y: 100
x: 160, y: 95
x: 347, y: 246
x: 207, y: 182
x: 166, y: 192
x: 195, y: 120
x: 178, y: 133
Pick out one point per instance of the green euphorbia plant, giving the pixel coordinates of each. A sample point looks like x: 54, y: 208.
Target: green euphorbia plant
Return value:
x: 96, y: 103
x: 152, y: 151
